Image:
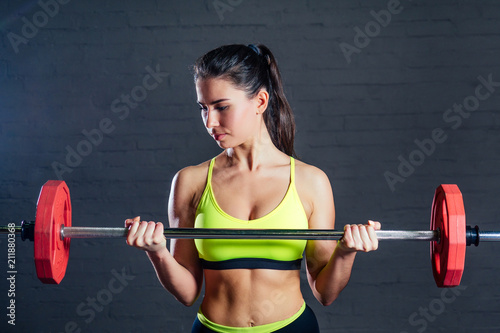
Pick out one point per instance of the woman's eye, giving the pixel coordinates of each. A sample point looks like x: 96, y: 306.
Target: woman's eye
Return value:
x: 222, y: 108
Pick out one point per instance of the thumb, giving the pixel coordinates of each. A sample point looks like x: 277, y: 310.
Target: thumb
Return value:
x: 375, y: 224
x: 129, y: 222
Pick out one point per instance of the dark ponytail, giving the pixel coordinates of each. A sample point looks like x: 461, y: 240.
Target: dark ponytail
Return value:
x: 252, y: 68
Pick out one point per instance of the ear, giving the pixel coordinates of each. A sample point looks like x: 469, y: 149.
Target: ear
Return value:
x: 261, y: 99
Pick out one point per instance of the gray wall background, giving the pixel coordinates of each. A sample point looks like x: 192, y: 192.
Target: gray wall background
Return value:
x: 67, y: 66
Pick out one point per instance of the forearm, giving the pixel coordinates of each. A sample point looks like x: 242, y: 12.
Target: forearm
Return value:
x: 174, y: 277
x: 334, y: 276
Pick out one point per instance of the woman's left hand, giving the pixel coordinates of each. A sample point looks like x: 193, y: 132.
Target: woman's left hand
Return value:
x: 360, y: 237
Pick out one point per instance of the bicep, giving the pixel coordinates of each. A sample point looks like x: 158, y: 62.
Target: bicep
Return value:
x: 181, y: 214
x: 322, y: 216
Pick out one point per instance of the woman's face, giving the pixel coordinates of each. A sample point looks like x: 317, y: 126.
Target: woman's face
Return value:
x: 230, y: 117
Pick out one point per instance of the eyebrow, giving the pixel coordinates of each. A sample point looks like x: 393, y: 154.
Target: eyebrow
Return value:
x: 217, y: 101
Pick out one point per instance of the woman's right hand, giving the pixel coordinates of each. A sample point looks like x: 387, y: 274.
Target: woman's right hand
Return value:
x: 147, y: 236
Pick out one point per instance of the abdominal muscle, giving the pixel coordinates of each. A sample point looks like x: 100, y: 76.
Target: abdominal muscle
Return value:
x: 251, y: 297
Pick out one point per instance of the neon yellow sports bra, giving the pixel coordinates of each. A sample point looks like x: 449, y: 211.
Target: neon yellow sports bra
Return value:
x: 245, y: 253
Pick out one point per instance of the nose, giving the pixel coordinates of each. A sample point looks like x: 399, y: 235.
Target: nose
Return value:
x: 211, y: 119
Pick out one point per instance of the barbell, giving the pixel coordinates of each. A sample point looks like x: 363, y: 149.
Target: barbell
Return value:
x: 52, y: 230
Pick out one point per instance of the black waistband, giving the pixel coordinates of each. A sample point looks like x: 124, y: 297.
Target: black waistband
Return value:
x: 252, y: 263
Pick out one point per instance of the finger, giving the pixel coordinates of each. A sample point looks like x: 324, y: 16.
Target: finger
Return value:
x: 141, y: 230
x: 129, y: 222
x: 139, y: 236
x: 158, y: 235
x: 148, y: 233
x: 365, y: 239
x: 375, y: 224
x: 358, y: 242
x: 347, y: 237
x: 132, y: 232
x: 365, y: 232
x: 369, y: 238
x: 373, y: 238
x: 347, y: 241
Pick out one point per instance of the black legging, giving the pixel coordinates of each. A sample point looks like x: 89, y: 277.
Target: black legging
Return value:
x: 305, y: 323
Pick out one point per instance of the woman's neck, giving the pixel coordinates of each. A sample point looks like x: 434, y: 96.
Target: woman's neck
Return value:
x: 257, y: 151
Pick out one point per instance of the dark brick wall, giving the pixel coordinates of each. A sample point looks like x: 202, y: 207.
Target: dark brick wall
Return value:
x: 390, y: 101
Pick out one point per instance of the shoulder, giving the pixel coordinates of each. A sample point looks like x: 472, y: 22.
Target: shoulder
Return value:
x: 313, y: 186
x: 187, y: 188
x: 191, y: 180
x: 192, y: 175
x: 311, y: 175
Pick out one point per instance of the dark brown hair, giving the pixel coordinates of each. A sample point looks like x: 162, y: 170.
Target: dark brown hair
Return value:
x: 251, y: 68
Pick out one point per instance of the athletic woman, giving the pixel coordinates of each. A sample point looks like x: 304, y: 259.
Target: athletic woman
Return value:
x: 250, y: 285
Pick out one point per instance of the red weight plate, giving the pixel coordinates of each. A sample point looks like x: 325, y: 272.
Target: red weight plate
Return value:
x: 53, y: 210
x: 448, y: 255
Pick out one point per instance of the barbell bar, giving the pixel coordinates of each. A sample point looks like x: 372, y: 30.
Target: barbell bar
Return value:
x: 52, y: 231
x: 473, y: 235
x: 208, y: 233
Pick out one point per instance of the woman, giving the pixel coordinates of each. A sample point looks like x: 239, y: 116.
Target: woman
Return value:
x: 250, y: 285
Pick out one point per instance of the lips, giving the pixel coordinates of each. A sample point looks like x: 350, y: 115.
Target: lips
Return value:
x: 219, y: 137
